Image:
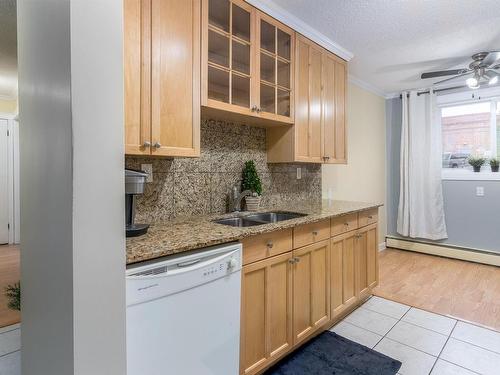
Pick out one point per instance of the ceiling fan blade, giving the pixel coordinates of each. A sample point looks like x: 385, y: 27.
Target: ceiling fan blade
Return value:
x: 453, y: 79
x: 492, y: 58
x: 443, y: 73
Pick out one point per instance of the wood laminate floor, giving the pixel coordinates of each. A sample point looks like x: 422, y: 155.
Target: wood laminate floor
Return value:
x: 464, y: 290
x: 9, y: 274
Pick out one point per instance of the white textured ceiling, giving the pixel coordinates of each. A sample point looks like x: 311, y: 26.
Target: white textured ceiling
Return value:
x: 8, y: 49
x: 394, y: 41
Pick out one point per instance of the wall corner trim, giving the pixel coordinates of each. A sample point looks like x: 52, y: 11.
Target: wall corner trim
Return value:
x: 366, y: 86
x: 300, y: 26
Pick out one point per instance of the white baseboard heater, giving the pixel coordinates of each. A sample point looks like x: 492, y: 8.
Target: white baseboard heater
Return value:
x: 448, y: 251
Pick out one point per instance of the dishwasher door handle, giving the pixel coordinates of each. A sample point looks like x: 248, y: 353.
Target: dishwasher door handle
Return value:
x: 188, y: 263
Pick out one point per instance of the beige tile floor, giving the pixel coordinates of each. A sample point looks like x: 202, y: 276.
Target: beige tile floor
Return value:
x: 426, y: 343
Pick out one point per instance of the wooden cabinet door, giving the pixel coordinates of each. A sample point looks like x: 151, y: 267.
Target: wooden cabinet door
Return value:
x: 228, y: 56
x: 366, y: 260
x: 266, y: 312
x: 342, y: 273
x: 175, y: 80
x: 137, y: 69
x: 311, y: 289
x: 274, y: 69
x: 308, y: 146
x: 333, y: 109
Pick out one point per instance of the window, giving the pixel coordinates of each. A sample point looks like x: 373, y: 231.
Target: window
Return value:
x: 470, y: 129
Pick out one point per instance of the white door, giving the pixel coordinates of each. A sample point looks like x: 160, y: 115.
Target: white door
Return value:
x: 4, y: 183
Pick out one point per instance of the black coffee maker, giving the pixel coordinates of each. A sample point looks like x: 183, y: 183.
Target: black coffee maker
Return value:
x: 134, y: 185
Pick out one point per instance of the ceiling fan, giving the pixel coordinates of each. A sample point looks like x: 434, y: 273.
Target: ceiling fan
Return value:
x: 484, y: 68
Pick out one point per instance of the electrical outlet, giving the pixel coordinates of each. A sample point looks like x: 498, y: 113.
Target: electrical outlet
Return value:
x: 479, y: 191
x: 148, y: 168
x: 299, y: 173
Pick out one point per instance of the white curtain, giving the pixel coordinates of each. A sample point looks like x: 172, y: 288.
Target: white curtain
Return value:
x: 420, y: 211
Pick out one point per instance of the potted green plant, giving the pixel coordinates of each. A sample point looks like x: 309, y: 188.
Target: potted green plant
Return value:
x: 476, y: 162
x: 494, y: 163
x: 13, y: 294
x: 251, y: 181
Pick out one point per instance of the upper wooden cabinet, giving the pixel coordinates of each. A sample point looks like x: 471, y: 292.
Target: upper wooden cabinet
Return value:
x: 318, y: 135
x: 162, y: 77
x: 247, y: 62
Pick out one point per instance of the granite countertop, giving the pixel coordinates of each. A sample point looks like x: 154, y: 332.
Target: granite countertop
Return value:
x: 179, y: 235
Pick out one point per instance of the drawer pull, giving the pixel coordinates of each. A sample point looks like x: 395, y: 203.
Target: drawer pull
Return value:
x: 291, y: 261
x: 346, y: 224
x: 315, y: 232
x: 297, y: 260
x: 270, y: 244
x: 370, y: 217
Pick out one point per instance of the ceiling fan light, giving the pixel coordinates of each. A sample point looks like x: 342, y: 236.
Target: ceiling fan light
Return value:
x: 472, y: 82
x: 493, y: 80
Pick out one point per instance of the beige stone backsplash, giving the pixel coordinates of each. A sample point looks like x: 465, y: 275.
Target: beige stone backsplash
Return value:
x: 199, y: 186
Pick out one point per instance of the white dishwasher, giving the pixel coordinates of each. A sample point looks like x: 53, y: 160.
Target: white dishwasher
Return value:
x: 183, y: 314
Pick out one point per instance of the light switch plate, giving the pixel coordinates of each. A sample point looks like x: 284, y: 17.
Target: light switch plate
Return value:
x: 479, y: 191
x: 148, y: 168
x: 299, y: 173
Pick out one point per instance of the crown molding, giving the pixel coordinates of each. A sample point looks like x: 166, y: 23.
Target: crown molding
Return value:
x: 366, y: 86
x: 301, y: 27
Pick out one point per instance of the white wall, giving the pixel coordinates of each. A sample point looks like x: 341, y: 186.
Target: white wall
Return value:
x: 364, y: 176
x: 72, y: 235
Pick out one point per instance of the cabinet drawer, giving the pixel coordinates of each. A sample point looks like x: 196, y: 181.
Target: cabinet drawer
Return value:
x: 368, y: 217
x: 344, y: 224
x: 266, y: 245
x: 309, y: 233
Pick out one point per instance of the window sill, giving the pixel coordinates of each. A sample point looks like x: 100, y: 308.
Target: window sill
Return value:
x: 467, y: 175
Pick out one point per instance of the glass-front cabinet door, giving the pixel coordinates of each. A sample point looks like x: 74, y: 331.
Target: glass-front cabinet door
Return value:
x: 275, y: 57
x: 227, y: 55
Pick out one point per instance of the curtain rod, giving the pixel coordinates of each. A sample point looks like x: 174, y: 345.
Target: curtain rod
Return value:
x: 438, y: 90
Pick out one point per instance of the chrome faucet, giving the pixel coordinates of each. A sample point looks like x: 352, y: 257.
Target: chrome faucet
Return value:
x: 237, y: 198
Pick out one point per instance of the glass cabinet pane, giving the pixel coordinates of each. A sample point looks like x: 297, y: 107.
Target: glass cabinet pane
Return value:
x: 284, y: 44
x: 218, y: 48
x: 241, y: 23
x: 218, y: 14
x: 283, y: 103
x: 284, y: 74
x: 267, y: 68
x: 241, y: 57
x: 218, y: 84
x: 240, y: 90
x: 267, y: 98
x: 267, y: 37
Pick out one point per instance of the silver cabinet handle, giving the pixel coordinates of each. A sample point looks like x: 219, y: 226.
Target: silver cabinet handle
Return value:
x: 270, y: 244
x: 254, y: 108
x: 346, y: 224
x: 157, y: 145
x: 315, y: 232
x: 259, y: 110
x: 297, y: 260
x: 146, y: 144
x: 370, y: 217
x: 291, y: 261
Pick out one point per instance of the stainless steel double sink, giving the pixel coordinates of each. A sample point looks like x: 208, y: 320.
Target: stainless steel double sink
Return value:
x: 259, y: 219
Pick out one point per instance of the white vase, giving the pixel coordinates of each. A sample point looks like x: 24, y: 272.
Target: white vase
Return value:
x: 252, y: 203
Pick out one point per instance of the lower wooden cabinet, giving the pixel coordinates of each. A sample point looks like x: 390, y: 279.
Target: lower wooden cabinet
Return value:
x: 289, y: 297
x: 366, y: 260
x: 266, y: 312
x: 311, y: 289
x: 343, y: 276
x: 353, y: 267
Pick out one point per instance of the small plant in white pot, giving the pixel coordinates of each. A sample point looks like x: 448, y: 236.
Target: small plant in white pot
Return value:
x: 476, y: 163
x: 251, y: 181
x: 494, y: 164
